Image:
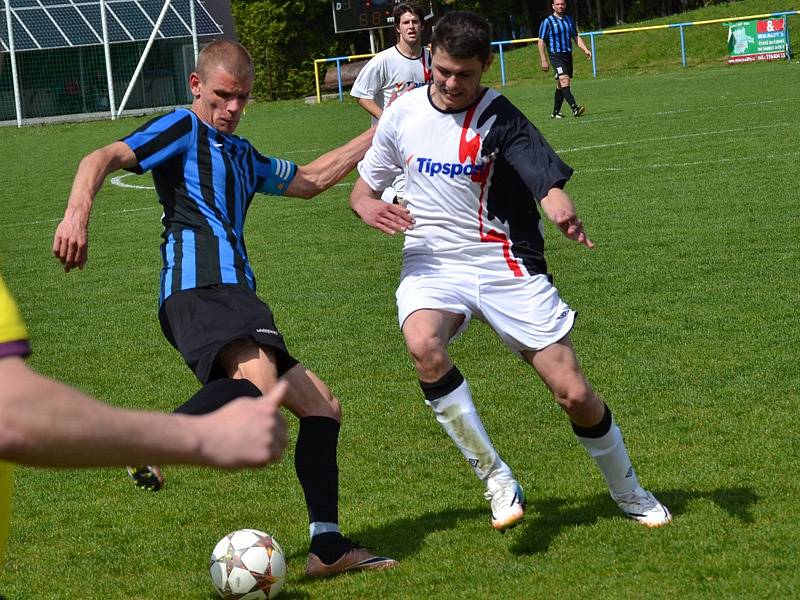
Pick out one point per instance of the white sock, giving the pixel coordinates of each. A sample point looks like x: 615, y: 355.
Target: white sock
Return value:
x: 457, y: 415
x: 611, y: 456
x: 318, y: 527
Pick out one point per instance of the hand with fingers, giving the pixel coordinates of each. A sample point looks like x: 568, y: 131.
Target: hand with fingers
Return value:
x: 388, y: 218
x: 71, y: 243
x: 572, y: 226
x: 247, y: 432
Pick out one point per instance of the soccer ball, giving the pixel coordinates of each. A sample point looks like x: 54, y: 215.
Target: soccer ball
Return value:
x: 248, y: 564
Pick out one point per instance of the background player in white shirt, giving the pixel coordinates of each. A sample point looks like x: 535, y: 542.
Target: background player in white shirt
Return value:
x: 474, y: 246
x: 394, y: 71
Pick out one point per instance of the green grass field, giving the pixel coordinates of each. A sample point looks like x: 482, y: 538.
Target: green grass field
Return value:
x: 687, y: 182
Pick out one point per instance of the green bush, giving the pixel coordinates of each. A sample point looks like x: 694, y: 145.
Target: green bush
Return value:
x: 283, y: 44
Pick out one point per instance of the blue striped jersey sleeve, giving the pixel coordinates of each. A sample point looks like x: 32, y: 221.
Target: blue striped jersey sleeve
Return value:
x: 161, y: 138
x: 573, y: 29
x: 273, y: 175
x: 543, y: 30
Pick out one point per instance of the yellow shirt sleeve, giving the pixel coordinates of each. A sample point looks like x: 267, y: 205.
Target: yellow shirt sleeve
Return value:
x: 13, y: 342
x: 13, y: 334
x: 5, y: 506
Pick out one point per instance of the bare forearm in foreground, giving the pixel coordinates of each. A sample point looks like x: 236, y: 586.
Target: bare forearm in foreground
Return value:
x: 46, y: 423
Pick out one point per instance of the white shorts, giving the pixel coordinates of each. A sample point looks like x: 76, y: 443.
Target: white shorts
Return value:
x: 526, y: 312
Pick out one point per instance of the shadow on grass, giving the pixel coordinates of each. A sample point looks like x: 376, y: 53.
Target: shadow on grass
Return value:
x: 589, y: 112
x: 404, y: 537
x: 547, y: 519
x: 288, y: 592
x: 399, y: 539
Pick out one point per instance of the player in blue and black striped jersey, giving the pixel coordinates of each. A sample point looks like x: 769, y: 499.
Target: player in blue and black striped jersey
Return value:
x: 206, y: 178
x: 557, y: 32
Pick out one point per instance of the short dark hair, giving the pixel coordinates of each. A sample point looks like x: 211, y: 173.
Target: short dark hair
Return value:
x: 463, y: 34
x: 406, y: 7
x: 231, y: 56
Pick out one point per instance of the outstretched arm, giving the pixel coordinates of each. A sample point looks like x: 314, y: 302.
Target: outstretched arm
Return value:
x: 327, y: 170
x: 71, y: 242
x: 559, y: 208
x: 388, y: 218
x: 46, y: 423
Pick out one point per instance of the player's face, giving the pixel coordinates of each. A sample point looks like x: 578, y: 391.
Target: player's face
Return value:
x: 409, y: 29
x: 560, y: 7
x: 456, y: 81
x: 220, y: 98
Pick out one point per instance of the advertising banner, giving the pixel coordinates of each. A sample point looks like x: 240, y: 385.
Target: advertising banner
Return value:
x: 750, y: 41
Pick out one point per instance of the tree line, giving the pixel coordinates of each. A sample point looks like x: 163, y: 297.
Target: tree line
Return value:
x: 285, y: 36
x: 516, y: 16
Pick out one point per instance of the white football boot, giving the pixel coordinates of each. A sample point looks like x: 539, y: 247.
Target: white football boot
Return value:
x: 641, y: 505
x: 507, y: 500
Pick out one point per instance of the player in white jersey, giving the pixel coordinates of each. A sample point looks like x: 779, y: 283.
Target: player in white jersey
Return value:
x: 394, y: 71
x: 474, y: 246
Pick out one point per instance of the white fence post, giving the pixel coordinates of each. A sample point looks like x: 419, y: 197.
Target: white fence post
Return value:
x: 193, y: 19
x: 14, y: 74
x: 144, y: 56
x: 107, y: 51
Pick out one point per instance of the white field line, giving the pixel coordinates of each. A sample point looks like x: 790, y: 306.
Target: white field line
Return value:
x: 118, y: 181
x: 669, y: 137
x: 694, y: 163
x: 57, y: 219
x: 679, y: 111
x: 300, y: 151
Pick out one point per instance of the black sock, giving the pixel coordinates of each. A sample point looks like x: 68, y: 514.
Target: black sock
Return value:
x: 569, y: 97
x: 329, y: 547
x: 448, y: 382
x: 596, y: 431
x: 217, y: 394
x: 316, y: 467
x: 558, y: 100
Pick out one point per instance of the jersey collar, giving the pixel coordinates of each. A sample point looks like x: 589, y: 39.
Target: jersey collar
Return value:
x: 454, y: 112
x: 421, y: 53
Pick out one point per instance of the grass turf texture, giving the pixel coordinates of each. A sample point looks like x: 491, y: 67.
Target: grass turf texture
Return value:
x: 686, y: 181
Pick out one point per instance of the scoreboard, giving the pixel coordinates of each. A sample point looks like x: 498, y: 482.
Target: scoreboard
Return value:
x: 355, y: 15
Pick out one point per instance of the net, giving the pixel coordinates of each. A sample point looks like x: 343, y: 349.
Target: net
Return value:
x: 61, y: 62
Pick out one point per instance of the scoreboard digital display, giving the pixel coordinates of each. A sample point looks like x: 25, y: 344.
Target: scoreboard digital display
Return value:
x: 355, y: 15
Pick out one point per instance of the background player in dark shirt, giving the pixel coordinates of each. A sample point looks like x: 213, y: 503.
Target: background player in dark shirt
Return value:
x: 557, y: 31
x: 205, y: 178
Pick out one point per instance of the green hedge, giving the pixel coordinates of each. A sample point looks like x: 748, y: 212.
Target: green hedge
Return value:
x: 284, y: 39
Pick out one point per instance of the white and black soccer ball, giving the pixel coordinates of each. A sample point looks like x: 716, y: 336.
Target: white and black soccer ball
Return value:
x: 248, y: 564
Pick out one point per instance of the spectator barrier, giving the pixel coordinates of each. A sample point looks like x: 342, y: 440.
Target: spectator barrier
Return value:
x: 591, y: 35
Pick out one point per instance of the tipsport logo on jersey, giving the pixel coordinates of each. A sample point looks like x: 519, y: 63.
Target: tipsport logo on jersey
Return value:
x: 432, y: 168
x: 403, y: 87
x: 407, y: 86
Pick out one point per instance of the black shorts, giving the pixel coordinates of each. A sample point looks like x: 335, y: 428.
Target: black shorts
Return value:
x: 202, y: 321
x: 562, y: 63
